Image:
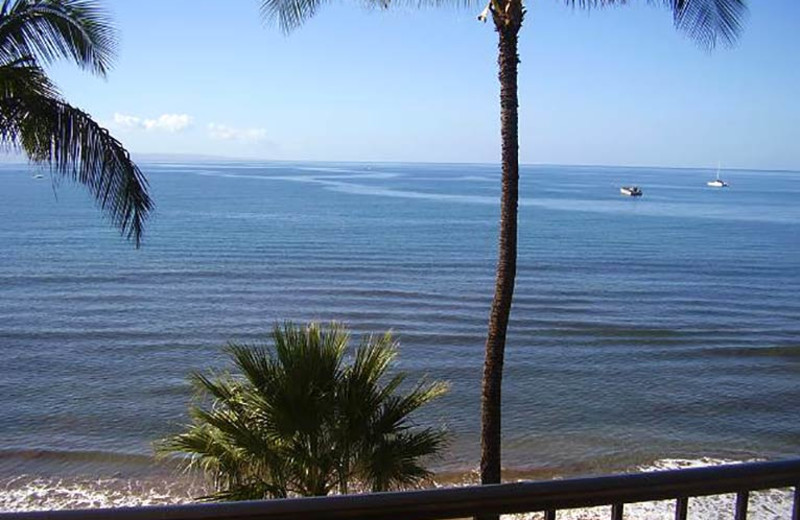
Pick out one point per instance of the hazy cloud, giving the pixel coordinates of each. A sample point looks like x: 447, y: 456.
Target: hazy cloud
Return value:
x: 229, y: 133
x: 126, y: 121
x: 166, y: 122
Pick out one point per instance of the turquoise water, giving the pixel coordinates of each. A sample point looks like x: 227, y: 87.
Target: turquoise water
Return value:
x: 642, y: 329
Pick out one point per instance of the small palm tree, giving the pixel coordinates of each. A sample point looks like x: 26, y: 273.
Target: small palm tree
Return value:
x: 295, y: 418
x: 36, y: 120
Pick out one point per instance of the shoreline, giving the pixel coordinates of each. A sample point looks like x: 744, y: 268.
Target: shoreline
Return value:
x: 31, y: 493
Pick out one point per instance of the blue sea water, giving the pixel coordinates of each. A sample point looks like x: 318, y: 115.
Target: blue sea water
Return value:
x: 642, y: 329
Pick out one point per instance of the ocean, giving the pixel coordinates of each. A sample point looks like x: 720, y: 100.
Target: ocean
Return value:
x: 643, y: 329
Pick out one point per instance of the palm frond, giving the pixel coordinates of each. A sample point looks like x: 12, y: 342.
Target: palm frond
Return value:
x: 374, y: 357
x: 258, y: 490
x: 19, y: 77
x: 396, y: 459
x: 77, y: 30
x: 254, y: 361
x: 289, y: 14
x: 53, y: 132
x: 705, y: 21
x: 23, y: 77
x: 397, y: 410
x: 709, y: 21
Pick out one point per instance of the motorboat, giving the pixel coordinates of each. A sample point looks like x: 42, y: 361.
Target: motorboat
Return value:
x: 631, y: 191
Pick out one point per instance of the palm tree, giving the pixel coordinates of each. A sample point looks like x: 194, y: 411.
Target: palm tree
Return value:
x: 707, y: 21
x: 36, y: 120
x: 704, y: 20
x: 295, y: 418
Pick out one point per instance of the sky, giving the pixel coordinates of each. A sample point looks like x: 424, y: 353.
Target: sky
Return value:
x: 614, y: 86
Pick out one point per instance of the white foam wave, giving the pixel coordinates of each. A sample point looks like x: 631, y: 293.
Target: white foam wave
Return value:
x: 772, y: 504
x: 25, y: 493
x: 29, y: 494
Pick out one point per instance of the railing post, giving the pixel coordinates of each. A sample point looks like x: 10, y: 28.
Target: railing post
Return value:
x: 681, y: 508
x: 741, y: 505
x: 616, y: 511
x: 796, y: 506
x: 550, y: 514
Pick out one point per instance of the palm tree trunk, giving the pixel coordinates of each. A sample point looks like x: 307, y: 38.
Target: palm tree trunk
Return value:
x: 507, y: 23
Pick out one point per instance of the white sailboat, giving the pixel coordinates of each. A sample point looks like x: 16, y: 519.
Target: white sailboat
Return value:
x: 631, y: 191
x: 717, y: 183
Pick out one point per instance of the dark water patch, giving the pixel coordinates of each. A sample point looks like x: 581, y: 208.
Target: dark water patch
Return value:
x: 51, y: 462
x: 790, y: 352
x: 78, y: 334
x: 712, y: 344
x: 594, y: 329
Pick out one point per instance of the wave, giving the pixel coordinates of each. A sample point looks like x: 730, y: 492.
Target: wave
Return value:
x: 770, y: 504
x: 72, y: 456
x: 32, y: 493
x: 73, y: 463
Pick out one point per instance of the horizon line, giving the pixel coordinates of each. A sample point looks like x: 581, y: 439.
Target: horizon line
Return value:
x: 154, y: 157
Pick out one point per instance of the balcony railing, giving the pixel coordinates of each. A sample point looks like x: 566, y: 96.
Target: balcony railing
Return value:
x: 464, y: 502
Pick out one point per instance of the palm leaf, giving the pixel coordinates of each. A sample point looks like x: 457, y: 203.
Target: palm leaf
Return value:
x: 51, y: 131
x: 708, y: 21
x: 289, y: 14
x: 705, y: 21
x: 77, y: 30
x: 396, y: 411
x: 21, y: 77
x: 395, y: 460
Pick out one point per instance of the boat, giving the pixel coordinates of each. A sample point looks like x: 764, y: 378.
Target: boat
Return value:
x: 631, y: 191
x: 717, y: 183
x: 38, y: 176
